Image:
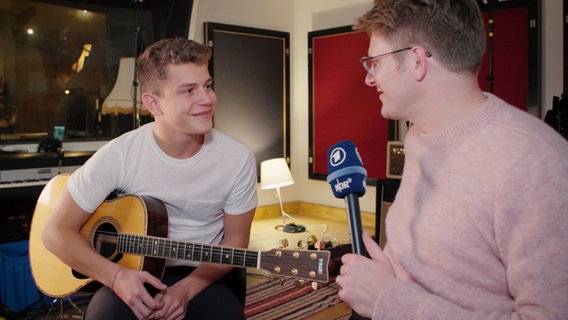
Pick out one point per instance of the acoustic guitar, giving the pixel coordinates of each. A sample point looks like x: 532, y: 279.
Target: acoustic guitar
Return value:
x: 132, y: 231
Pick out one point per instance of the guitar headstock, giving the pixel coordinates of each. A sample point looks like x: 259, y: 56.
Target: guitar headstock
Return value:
x: 311, y: 265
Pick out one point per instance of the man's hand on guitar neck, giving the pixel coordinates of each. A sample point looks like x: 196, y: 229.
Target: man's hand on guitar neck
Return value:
x: 129, y: 286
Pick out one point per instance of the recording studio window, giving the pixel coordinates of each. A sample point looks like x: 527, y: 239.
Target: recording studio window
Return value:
x: 59, y: 60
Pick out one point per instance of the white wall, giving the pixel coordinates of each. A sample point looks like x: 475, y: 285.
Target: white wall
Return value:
x: 264, y: 14
x: 551, y: 52
x: 302, y: 16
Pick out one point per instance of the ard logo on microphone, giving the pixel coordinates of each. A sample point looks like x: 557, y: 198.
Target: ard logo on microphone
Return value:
x: 346, y: 172
x: 336, y: 158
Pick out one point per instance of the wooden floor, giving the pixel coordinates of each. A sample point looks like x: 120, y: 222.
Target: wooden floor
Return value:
x: 265, y: 236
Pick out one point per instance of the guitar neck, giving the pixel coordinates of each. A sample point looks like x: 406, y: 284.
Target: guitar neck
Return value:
x: 197, y: 252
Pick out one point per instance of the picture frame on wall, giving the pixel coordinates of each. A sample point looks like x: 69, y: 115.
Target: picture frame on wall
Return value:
x: 251, y: 78
x: 395, y: 159
x: 342, y: 106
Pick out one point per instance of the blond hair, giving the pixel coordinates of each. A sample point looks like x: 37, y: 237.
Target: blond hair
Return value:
x: 452, y: 30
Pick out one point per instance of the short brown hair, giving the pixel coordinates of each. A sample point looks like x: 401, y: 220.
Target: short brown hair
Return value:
x: 153, y: 62
x: 452, y: 30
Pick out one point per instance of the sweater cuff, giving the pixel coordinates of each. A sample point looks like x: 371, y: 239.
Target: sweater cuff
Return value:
x: 399, y: 300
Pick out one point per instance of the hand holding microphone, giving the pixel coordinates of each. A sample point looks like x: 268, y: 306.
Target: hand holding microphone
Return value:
x: 347, y: 178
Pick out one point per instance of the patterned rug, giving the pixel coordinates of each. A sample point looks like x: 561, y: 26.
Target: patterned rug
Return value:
x: 272, y: 300
x: 275, y: 300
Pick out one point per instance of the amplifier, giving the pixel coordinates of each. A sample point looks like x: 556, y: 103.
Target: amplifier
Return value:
x: 395, y: 159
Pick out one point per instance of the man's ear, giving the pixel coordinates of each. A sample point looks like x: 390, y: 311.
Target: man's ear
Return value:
x: 151, y: 104
x: 420, y: 56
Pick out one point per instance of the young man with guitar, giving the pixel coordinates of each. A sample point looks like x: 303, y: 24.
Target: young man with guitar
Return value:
x: 206, y: 180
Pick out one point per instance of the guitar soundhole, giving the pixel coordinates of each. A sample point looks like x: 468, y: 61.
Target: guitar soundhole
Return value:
x: 105, y: 243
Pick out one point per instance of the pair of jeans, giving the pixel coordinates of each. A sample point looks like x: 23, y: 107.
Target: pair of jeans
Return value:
x: 218, y: 301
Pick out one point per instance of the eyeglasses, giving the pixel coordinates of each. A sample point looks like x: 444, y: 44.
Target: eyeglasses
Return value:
x: 368, y: 62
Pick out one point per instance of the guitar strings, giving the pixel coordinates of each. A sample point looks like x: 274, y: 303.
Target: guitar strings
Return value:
x: 198, y: 252
x: 176, y: 249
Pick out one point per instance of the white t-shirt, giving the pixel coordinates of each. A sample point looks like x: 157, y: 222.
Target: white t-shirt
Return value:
x: 221, y: 178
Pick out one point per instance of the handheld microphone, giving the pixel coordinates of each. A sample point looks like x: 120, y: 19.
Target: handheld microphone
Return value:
x: 347, y: 178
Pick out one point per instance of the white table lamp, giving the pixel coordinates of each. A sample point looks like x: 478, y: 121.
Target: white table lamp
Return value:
x: 274, y: 174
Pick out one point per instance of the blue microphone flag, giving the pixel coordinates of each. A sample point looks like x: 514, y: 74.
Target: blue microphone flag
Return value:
x: 346, y: 173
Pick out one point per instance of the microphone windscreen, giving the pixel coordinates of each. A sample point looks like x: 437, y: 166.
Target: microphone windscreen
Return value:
x: 346, y: 173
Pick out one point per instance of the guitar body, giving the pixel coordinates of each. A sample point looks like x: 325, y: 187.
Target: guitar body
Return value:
x: 128, y: 214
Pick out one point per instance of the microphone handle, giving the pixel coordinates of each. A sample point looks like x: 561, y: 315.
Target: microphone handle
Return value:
x: 355, y: 316
x: 355, y: 226
x: 356, y: 229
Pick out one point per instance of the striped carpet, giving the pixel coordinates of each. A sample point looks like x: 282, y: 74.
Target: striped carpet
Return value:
x: 272, y: 300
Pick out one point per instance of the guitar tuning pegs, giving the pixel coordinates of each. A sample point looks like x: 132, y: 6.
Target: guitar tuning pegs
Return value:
x: 316, y: 285
x: 282, y: 281
x: 312, y: 240
x: 284, y: 243
x: 302, y: 244
x: 319, y: 245
x: 300, y: 282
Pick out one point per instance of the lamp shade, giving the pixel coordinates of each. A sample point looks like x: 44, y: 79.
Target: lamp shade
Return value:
x: 120, y: 100
x: 275, y: 173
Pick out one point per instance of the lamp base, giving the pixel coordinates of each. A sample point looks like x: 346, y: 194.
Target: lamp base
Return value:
x: 291, y: 228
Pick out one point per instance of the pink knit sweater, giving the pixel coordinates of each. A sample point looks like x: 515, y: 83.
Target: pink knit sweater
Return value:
x: 479, y: 227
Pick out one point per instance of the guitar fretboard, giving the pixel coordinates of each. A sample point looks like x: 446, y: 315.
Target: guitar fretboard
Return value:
x: 174, y: 249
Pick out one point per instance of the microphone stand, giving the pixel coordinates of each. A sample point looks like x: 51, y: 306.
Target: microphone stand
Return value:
x: 137, y: 41
x: 491, y: 35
